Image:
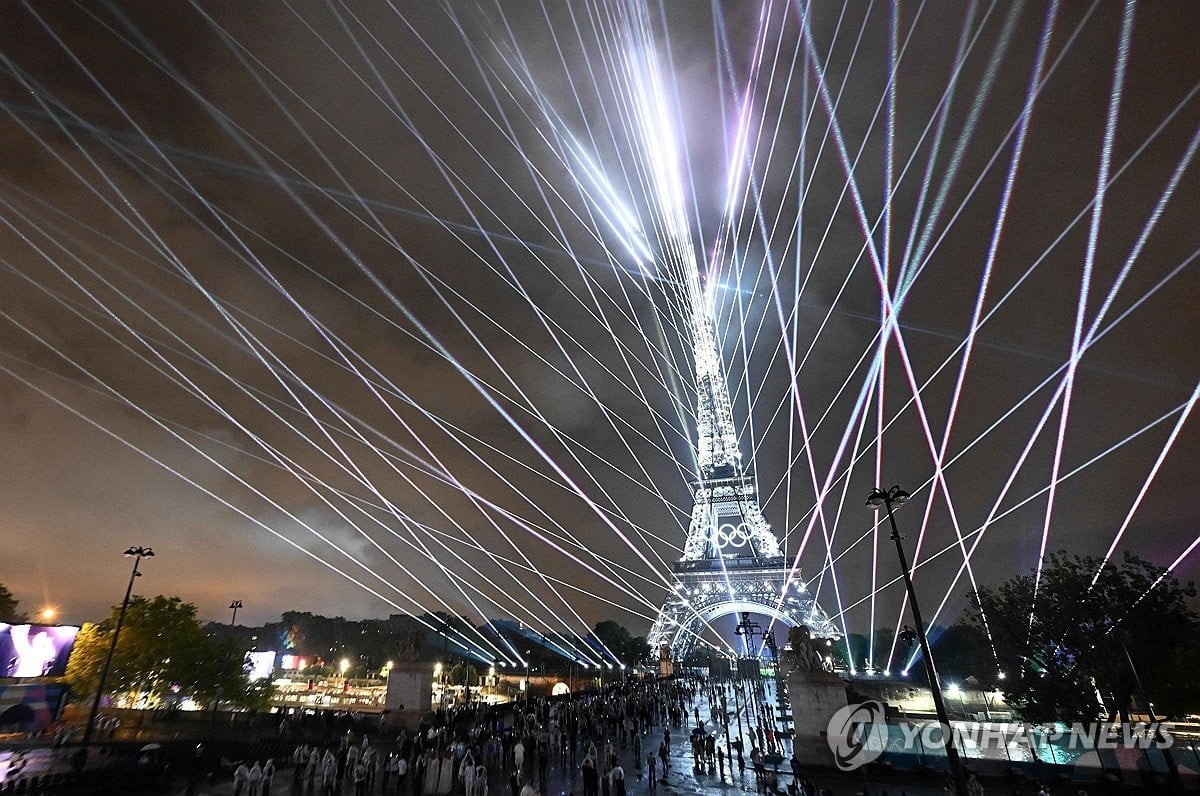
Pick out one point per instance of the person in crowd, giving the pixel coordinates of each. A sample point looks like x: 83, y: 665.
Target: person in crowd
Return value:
x: 617, y: 779
x: 255, y: 779
x: 329, y: 773
x: 590, y: 776
x: 268, y: 776
x: 241, y: 777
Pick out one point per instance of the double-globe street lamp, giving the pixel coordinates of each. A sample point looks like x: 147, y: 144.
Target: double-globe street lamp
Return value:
x: 750, y: 630
x: 137, y: 554
x: 528, y: 657
x: 894, y: 498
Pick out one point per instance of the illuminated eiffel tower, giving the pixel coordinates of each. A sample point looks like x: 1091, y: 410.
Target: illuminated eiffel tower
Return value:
x: 731, y: 560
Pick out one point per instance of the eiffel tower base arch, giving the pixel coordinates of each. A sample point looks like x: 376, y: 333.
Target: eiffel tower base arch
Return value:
x: 706, y: 589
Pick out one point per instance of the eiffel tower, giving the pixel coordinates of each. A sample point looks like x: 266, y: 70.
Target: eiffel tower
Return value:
x: 731, y: 560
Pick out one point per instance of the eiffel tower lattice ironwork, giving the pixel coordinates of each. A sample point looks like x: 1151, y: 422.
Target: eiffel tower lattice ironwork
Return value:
x: 731, y: 560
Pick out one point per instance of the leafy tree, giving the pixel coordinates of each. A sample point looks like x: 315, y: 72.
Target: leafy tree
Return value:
x: 854, y: 651
x: 1059, y: 650
x: 1176, y: 689
x: 884, y: 637
x: 8, y: 608
x: 849, y: 652
x: 463, y: 674
x: 162, y: 653
x: 221, y: 677
x: 961, y: 651
x: 629, y: 649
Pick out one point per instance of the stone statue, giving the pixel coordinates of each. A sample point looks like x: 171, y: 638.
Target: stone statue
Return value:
x: 803, y: 657
x: 408, y: 647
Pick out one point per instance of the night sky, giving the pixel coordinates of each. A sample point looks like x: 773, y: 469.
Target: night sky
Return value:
x: 276, y: 277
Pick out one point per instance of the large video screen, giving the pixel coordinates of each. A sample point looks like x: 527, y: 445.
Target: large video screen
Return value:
x: 35, y: 650
x: 260, y: 665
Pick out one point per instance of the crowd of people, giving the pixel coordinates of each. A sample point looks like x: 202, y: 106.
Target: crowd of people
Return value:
x: 600, y: 742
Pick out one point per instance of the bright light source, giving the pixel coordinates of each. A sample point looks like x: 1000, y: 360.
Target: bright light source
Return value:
x: 48, y: 613
x: 344, y: 665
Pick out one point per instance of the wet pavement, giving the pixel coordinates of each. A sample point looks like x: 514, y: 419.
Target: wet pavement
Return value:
x: 681, y: 777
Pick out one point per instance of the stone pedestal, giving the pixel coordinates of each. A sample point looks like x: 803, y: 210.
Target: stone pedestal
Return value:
x: 814, y: 696
x: 409, y: 693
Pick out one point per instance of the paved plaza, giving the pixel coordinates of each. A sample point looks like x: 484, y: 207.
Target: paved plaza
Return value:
x: 681, y: 776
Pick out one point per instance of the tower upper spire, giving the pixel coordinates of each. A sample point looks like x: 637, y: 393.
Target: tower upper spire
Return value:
x: 717, y: 451
x: 726, y: 518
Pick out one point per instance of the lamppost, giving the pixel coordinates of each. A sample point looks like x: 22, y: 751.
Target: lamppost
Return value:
x: 773, y: 646
x: 235, y: 605
x: 749, y: 630
x: 725, y: 719
x: 737, y: 710
x: 445, y: 656
x: 528, y: 656
x: 543, y: 648
x: 896, y: 497
x: 137, y: 554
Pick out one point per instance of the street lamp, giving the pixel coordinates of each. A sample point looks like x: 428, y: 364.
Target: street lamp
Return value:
x: 773, y: 646
x: 528, y: 658
x: 737, y: 710
x: 235, y: 605
x: 445, y: 656
x: 887, y: 499
x: 137, y: 554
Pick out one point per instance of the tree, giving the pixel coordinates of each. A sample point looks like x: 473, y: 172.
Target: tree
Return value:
x: 162, y: 653
x: 1059, y: 650
x: 885, y: 638
x: 850, y: 652
x: 629, y: 649
x: 961, y: 651
x: 1176, y: 687
x: 463, y: 674
x: 221, y: 677
x: 8, y: 608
